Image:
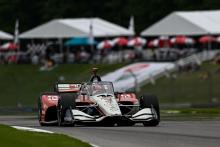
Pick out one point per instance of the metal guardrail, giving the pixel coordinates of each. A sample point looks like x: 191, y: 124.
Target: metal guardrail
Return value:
x: 197, y: 58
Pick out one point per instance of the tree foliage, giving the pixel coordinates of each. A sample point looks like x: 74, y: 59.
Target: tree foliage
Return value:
x: 35, y: 12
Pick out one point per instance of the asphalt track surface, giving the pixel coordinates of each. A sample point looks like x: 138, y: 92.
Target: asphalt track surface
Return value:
x: 167, y: 134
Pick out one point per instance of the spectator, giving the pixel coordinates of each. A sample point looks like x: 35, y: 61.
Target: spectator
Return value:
x: 35, y: 59
x: 48, y: 65
x: 216, y: 59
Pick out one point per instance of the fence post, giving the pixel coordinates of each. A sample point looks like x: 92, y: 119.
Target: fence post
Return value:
x: 210, y: 86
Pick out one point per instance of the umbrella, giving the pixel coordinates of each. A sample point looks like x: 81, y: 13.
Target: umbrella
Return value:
x: 79, y: 41
x: 121, y: 41
x: 8, y: 46
x: 106, y: 44
x: 160, y: 42
x: 154, y: 43
x: 164, y: 41
x: 182, y: 40
x: 207, y: 39
x: 218, y: 39
x: 137, y: 41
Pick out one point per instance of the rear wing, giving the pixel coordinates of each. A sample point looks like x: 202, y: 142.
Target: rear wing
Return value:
x: 67, y: 87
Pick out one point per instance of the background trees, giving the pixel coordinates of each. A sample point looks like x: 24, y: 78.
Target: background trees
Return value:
x: 34, y: 12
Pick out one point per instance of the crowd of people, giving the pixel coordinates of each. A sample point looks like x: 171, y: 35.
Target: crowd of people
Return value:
x: 48, y: 54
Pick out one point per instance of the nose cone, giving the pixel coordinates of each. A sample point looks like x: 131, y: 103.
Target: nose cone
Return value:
x: 108, y: 105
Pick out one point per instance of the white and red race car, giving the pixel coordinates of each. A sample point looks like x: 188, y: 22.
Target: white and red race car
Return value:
x: 96, y: 103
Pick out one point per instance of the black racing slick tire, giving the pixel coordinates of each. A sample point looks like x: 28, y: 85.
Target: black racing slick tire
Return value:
x: 65, y: 103
x: 149, y: 101
x: 39, y: 112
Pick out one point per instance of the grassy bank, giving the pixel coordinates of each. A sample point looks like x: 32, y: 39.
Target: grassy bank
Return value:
x: 191, y: 114
x: 24, y: 83
x: 188, y: 87
x: 11, y: 137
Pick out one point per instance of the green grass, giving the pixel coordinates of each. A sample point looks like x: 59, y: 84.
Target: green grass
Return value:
x: 191, y: 114
x: 11, y: 137
x: 24, y: 83
x: 188, y: 87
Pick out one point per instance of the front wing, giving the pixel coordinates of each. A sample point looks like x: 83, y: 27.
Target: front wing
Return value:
x: 142, y: 115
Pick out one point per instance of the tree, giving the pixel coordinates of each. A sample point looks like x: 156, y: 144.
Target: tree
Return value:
x: 32, y: 13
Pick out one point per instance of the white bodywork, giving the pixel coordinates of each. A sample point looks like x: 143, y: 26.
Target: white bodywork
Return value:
x: 108, y: 104
x: 142, y: 115
x: 110, y: 108
x: 103, y: 97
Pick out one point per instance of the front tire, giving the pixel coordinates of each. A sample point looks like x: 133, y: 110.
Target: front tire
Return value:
x: 65, y: 103
x: 40, y: 112
x: 149, y: 101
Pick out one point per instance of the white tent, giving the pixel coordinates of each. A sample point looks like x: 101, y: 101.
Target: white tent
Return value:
x: 5, y: 36
x: 66, y: 28
x: 186, y: 23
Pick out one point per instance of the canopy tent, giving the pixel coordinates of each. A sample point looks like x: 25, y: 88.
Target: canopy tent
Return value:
x: 79, y: 41
x: 186, y: 23
x: 5, y: 36
x: 68, y: 28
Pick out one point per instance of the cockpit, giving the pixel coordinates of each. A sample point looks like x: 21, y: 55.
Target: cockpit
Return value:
x: 98, y: 88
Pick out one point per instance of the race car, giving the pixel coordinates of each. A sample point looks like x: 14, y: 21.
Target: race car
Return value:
x: 96, y: 103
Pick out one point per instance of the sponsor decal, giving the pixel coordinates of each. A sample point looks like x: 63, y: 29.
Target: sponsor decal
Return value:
x: 108, y: 99
x: 69, y: 87
x: 125, y: 96
x: 136, y: 67
x: 73, y: 86
x: 52, y: 97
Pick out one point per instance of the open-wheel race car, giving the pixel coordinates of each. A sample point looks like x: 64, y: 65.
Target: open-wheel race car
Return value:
x: 96, y: 103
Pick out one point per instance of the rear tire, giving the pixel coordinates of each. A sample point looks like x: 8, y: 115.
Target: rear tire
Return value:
x: 149, y: 101
x: 39, y: 111
x: 65, y: 103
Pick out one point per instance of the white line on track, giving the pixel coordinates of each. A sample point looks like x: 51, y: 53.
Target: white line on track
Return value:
x: 93, y: 145
x: 31, y: 129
